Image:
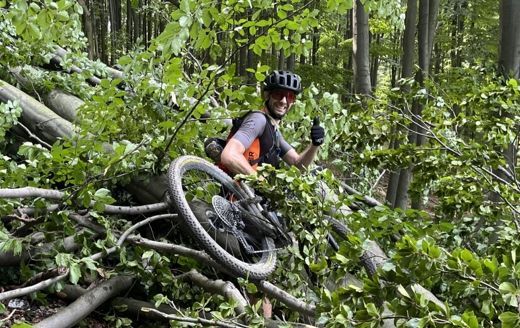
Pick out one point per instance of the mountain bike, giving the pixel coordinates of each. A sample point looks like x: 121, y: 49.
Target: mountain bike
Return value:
x: 231, y: 223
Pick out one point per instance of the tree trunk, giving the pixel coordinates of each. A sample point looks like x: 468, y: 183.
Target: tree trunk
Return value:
x: 89, y: 30
x: 375, y: 64
x: 87, y: 303
x: 428, y: 11
x: 42, y: 121
x: 509, y: 65
x: 398, y: 186
x: 129, y: 23
x: 281, y: 59
x: 360, y: 46
x: 115, y: 27
x: 509, y: 58
x: 291, y: 62
x: 457, y: 34
x: 63, y: 104
x: 315, y: 46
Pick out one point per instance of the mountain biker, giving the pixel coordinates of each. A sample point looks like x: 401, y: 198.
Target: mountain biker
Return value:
x: 258, y: 139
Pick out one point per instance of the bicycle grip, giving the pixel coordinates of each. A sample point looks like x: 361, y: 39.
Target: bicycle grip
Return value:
x: 316, y: 121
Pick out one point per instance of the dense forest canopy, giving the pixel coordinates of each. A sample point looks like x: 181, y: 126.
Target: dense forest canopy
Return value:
x: 420, y: 103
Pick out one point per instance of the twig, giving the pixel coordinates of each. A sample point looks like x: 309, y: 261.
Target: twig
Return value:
x: 28, y: 192
x: 127, y: 233
x: 88, y: 302
x: 177, y: 249
x: 136, y: 226
x: 32, y: 135
x: 135, y: 210
x: 34, y: 288
x: 377, y: 181
x: 9, y: 316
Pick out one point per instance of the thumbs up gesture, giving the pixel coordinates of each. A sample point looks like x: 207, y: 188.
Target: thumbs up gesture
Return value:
x: 317, y: 132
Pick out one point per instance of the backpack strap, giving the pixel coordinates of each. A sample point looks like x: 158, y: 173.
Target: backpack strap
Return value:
x: 270, y: 155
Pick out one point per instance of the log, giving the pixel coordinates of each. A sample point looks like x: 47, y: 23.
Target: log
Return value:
x: 64, y: 104
x: 41, y: 120
x: 87, y: 303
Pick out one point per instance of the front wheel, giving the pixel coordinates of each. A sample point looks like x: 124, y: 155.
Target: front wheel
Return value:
x: 192, y: 183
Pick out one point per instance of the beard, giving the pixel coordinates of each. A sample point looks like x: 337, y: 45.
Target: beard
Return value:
x: 272, y: 113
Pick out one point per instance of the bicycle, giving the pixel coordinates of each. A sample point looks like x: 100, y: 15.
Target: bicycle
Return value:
x: 226, y: 217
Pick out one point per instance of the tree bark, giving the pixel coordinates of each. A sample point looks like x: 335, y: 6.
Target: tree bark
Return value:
x: 87, y: 303
x: 42, y: 121
x: 315, y: 46
x: 281, y: 59
x: 509, y: 58
x: 360, y: 46
x: 509, y: 67
x: 398, y: 186
x: 374, y: 69
x: 428, y: 11
x: 64, y: 104
x: 89, y: 30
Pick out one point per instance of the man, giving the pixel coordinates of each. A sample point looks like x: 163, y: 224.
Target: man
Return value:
x: 258, y: 139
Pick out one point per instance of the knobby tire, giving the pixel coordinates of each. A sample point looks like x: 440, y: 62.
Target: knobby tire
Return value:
x: 261, y: 266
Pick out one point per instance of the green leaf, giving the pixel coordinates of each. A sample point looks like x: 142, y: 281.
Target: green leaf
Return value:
x: 403, y: 291
x: 372, y: 310
x: 470, y: 319
x: 74, y: 273
x: 103, y: 196
x: 281, y: 14
x: 507, y: 288
x: 509, y: 319
x: 342, y: 259
x: 21, y: 325
x: 466, y: 255
x: 251, y: 288
x: 292, y: 25
x: 185, y: 21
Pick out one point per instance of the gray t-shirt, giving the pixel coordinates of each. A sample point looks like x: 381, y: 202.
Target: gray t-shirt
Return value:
x: 253, y: 127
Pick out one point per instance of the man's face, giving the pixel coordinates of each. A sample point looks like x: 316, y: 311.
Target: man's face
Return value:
x: 280, y: 101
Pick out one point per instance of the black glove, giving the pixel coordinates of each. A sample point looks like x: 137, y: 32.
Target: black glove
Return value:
x: 317, y: 132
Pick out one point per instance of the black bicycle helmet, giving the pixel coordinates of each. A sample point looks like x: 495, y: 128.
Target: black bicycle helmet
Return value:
x: 283, y: 80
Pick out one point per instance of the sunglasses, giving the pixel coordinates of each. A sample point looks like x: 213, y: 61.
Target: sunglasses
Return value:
x: 280, y: 94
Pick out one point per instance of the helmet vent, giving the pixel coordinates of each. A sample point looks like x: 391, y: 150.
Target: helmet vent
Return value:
x: 283, y: 80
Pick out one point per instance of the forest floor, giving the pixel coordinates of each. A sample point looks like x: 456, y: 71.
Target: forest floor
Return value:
x: 23, y: 310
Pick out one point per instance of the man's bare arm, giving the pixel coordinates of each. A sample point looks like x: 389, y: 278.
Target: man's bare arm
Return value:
x: 233, y: 158
x: 302, y: 160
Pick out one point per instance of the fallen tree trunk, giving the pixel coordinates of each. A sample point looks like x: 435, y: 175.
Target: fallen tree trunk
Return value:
x: 64, y: 104
x: 87, y: 303
x: 38, y: 118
